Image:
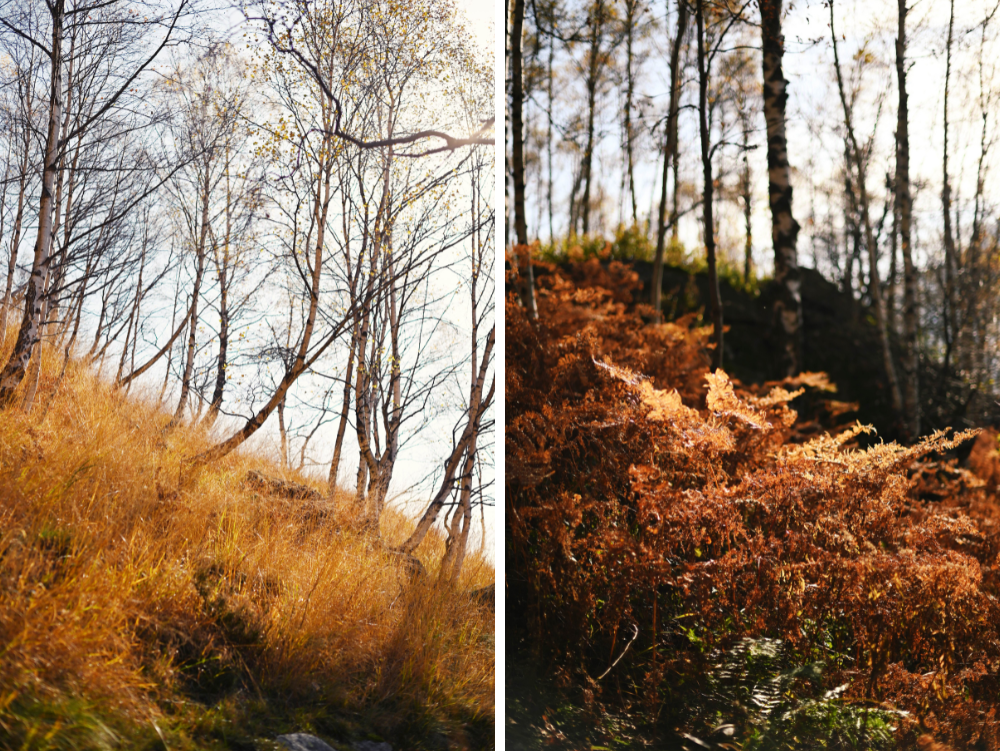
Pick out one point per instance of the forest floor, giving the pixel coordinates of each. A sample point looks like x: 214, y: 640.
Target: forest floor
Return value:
x: 145, y: 605
x: 539, y: 714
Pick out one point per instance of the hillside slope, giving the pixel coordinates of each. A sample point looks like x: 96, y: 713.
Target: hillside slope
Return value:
x: 143, y: 605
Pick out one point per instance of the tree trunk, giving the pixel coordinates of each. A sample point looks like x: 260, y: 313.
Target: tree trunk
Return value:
x: 976, y: 282
x: 715, y: 300
x: 29, y: 333
x: 950, y: 260
x: 34, y: 372
x: 875, y: 284
x: 223, y: 360
x: 593, y: 79
x: 669, y: 151
x: 479, y: 402
x: 548, y: 139
x: 745, y: 186
x: 527, y: 278
x: 852, y: 222
x: 631, y: 8
x: 60, y: 210
x: 15, y: 238
x: 904, y: 202
x: 195, y: 293
x: 461, y: 520
x: 222, y: 269
x: 391, y: 416
x: 367, y: 466
x: 342, y: 427
x: 787, y: 323
x: 283, y: 433
x: 890, y: 301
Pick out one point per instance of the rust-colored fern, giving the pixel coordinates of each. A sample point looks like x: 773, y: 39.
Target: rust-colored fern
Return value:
x: 646, y: 494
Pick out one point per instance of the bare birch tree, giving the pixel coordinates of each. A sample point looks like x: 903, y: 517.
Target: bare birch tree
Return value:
x: 787, y: 323
x: 136, y: 45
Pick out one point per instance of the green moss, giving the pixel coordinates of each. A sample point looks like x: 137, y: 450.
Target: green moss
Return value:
x: 630, y: 243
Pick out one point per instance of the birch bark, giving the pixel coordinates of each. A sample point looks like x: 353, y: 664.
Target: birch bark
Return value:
x: 787, y: 322
x: 29, y: 333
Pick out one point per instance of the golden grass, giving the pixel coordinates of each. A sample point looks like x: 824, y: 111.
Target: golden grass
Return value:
x: 159, y: 598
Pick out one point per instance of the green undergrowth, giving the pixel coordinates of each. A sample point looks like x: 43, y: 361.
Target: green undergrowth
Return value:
x: 238, y: 722
x: 755, y: 698
x: 636, y: 243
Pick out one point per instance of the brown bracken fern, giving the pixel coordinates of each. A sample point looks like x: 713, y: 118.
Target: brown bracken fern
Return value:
x: 645, y: 493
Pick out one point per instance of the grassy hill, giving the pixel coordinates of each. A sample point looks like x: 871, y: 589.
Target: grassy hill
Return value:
x: 146, y: 606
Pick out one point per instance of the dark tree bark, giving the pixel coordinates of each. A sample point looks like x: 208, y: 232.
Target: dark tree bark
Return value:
x: 904, y: 208
x: 669, y: 152
x: 222, y: 363
x: 342, y: 426
x: 950, y: 260
x: 745, y: 194
x: 527, y: 281
x: 548, y: 136
x: 893, y: 282
x: 715, y: 300
x: 632, y: 10
x: 852, y: 223
x: 596, y: 23
x: 784, y: 228
x: 979, y: 271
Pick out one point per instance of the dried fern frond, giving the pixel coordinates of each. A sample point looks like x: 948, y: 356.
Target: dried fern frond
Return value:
x: 722, y: 400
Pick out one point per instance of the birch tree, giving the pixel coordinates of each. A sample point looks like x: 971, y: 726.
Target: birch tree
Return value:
x: 372, y: 74
x: 135, y: 44
x: 787, y: 324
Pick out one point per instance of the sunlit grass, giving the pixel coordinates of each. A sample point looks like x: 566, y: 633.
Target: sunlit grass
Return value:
x: 141, y: 600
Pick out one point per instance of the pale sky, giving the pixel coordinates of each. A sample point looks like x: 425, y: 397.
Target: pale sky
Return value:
x: 416, y: 458
x: 480, y: 16
x: 814, y: 119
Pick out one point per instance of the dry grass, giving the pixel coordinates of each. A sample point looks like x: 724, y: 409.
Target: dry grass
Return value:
x: 142, y: 605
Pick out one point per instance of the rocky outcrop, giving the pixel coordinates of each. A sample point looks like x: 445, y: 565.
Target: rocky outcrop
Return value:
x: 370, y: 746
x: 306, y: 742
x: 302, y: 742
x: 293, y: 491
x: 307, y: 507
x: 484, y: 597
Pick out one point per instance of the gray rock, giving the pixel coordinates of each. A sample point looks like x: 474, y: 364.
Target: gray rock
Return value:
x: 438, y: 742
x: 303, y: 742
x: 484, y: 597
x: 370, y: 746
